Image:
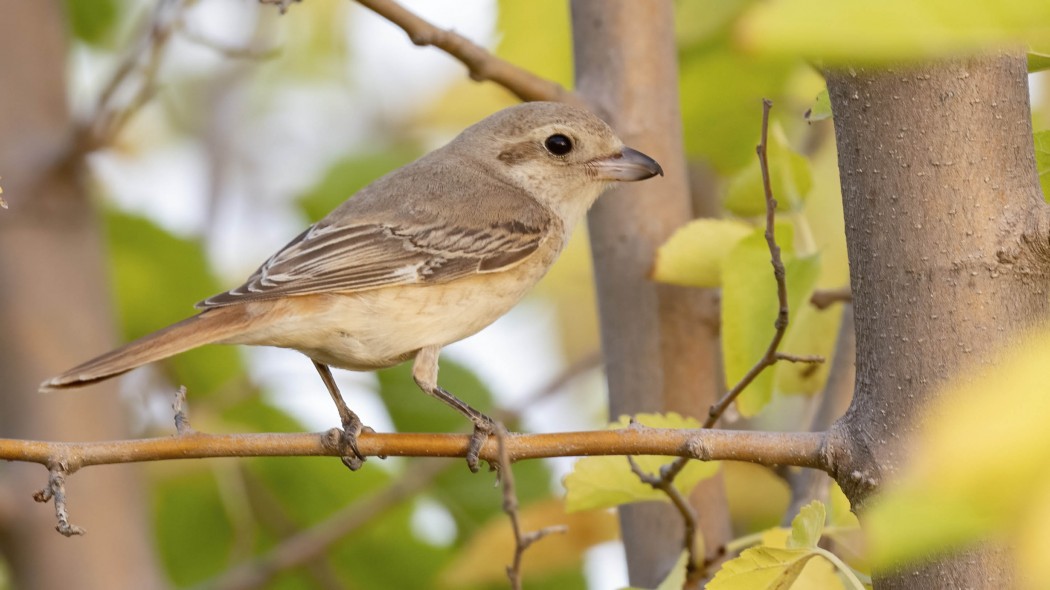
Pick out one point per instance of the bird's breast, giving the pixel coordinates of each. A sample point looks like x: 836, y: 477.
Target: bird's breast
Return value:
x: 383, y: 327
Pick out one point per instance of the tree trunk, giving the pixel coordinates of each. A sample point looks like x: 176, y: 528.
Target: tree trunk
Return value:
x: 658, y: 341
x: 947, y: 241
x: 49, y: 247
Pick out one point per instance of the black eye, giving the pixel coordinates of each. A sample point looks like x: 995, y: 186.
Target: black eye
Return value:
x: 558, y: 144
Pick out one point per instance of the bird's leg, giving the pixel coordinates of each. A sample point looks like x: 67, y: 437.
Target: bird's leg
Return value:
x: 352, y: 425
x: 425, y: 372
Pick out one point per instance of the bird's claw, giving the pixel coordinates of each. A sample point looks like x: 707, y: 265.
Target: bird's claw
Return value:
x: 353, y: 428
x: 482, y: 430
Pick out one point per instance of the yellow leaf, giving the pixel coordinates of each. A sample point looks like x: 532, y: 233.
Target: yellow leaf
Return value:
x: 790, y: 179
x: 693, y: 256
x: 605, y: 482
x: 979, y: 465
x: 807, y: 526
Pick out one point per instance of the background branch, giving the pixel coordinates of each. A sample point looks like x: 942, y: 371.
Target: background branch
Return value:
x: 482, y: 65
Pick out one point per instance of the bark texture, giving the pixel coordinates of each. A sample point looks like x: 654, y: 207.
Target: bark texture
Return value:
x: 658, y: 341
x: 50, y: 247
x: 948, y: 258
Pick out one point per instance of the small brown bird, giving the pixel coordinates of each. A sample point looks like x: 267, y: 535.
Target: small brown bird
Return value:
x: 425, y: 256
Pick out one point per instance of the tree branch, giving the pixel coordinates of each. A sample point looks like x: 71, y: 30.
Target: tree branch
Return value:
x: 481, y: 64
x: 764, y: 448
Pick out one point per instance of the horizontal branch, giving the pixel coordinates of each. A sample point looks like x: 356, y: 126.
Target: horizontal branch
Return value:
x: 801, y: 449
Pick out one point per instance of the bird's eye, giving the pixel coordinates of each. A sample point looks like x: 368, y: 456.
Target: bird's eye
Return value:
x: 558, y: 144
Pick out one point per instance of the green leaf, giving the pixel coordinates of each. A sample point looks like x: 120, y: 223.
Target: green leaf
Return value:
x: 790, y: 179
x: 821, y: 108
x: 1042, y: 161
x: 750, y: 306
x: 93, y: 21
x: 721, y: 95
x: 807, y: 526
x: 605, y: 482
x: 1037, y: 62
x: 157, y: 277
x: 693, y: 256
x: 890, y: 30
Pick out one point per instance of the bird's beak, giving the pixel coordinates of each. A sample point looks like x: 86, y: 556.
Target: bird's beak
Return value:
x: 627, y: 166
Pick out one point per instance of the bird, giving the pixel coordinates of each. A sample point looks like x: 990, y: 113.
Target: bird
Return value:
x: 422, y: 257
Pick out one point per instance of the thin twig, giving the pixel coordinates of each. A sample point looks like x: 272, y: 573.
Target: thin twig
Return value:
x: 665, y: 483
x: 480, y: 63
x: 522, y: 541
x: 281, y: 5
x: 771, y: 356
x: 55, y: 490
x: 111, y: 117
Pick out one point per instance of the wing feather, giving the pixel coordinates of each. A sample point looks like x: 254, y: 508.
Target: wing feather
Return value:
x: 354, y: 257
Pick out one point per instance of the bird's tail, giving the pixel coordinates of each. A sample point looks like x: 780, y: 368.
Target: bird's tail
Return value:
x: 210, y: 326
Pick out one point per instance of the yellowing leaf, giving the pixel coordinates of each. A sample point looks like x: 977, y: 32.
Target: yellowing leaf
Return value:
x: 980, y: 465
x: 821, y: 108
x: 749, y: 308
x: 762, y: 568
x: 605, y: 482
x: 1042, y: 161
x: 890, y: 30
x: 693, y: 256
x: 807, y: 526
x: 790, y: 179
x: 487, y: 554
x: 785, y: 560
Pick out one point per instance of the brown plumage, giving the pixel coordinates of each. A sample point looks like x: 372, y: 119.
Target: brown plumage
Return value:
x: 424, y: 256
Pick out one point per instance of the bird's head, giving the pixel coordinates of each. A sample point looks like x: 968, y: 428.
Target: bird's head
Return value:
x: 563, y: 155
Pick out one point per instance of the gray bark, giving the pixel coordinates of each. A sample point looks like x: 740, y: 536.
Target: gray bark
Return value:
x: 947, y: 240
x: 659, y: 341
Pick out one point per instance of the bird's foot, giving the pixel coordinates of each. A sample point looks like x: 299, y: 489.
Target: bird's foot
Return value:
x: 483, y: 427
x: 352, y: 428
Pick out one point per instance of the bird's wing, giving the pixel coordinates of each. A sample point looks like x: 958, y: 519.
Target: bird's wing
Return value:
x: 348, y: 257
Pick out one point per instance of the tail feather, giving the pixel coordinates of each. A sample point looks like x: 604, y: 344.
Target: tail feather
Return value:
x: 204, y: 328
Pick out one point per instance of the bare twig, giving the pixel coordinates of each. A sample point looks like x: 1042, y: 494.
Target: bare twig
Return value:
x: 825, y: 298
x: 813, y: 359
x: 771, y: 355
x: 522, y: 541
x: 481, y: 64
x: 140, y: 66
x: 55, y: 490
x: 665, y: 483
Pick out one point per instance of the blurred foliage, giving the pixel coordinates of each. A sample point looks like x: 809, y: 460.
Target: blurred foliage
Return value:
x: 93, y: 21
x: 891, y: 30
x: 979, y: 468
x: 157, y: 278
